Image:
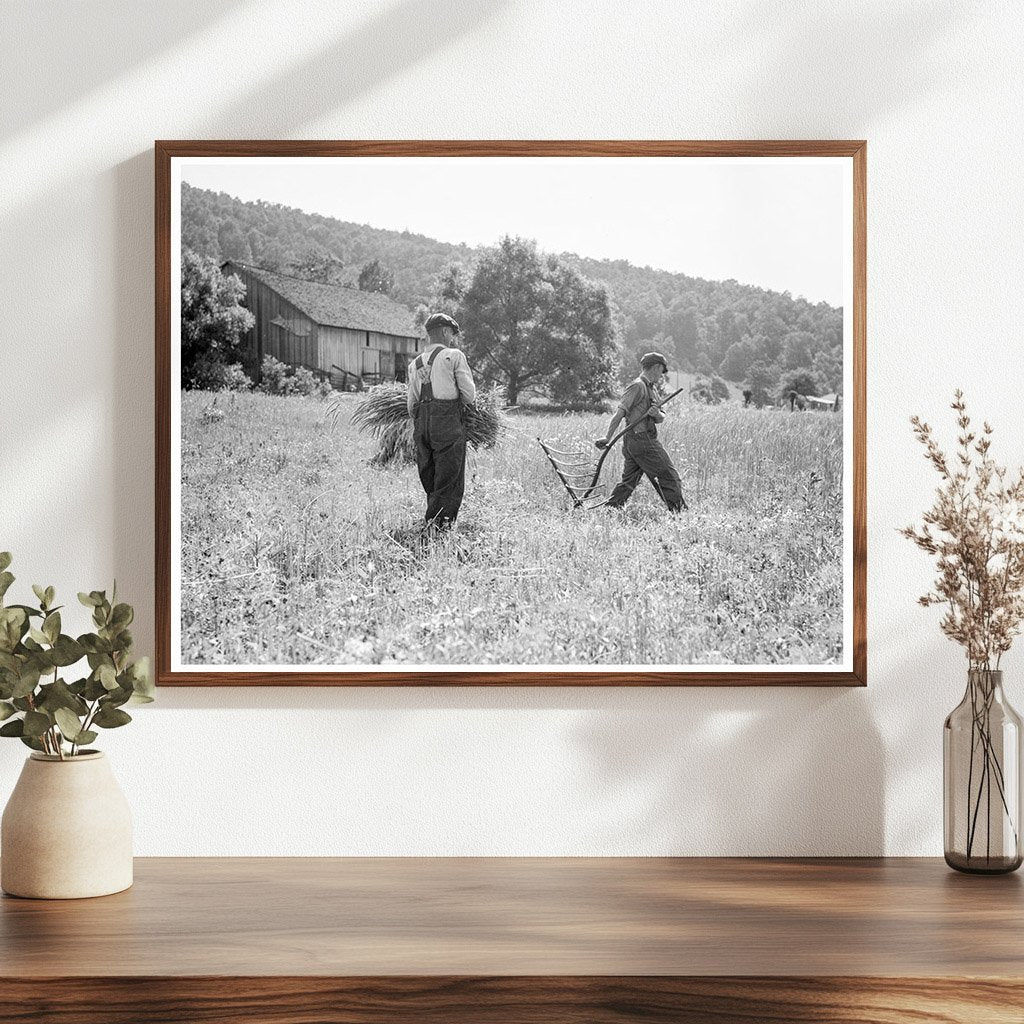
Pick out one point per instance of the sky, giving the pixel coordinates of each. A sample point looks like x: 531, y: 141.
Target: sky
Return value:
x: 778, y: 223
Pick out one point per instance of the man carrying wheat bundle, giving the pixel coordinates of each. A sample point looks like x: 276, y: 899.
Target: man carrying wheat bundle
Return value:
x: 440, y: 384
x: 642, y: 452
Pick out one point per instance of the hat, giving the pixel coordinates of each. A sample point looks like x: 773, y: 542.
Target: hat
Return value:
x: 652, y: 359
x: 436, y: 320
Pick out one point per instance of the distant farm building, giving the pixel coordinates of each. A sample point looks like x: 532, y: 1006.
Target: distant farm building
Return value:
x: 351, y: 337
x: 826, y: 403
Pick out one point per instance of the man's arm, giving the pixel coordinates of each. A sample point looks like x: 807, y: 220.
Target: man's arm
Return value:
x: 620, y: 414
x: 412, y: 392
x: 464, y: 379
x: 626, y: 403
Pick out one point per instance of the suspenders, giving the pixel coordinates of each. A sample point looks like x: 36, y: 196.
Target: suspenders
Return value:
x: 426, y: 388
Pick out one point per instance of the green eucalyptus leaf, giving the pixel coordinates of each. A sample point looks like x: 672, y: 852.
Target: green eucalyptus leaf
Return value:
x: 86, y: 736
x: 22, y: 703
x: 31, y: 741
x: 13, y: 728
x: 69, y: 724
x: 51, y: 626
x: 124, y: 641
x: 29, y: 611
x: 122, y: 616
x: 30, y: 645
x: 67, y: 651
x: 99, y: 645
x: 40, y: 592
x: 27, y: 682
x: 5, y: 559
x: 115, y: 698
x: 13, y: 626
x: 94, y: 689
x: 6, y: 579
x: 50, y: 594
x: 36, y: 723
x: 9, y: 663
x: 59, y: 695
x: 107, y: 676
x: 38, y: 635
x: 6, y: 710
x: 109, y: 718
x: 142, y: 679
x: 89, y: 600
x: 77, y: 687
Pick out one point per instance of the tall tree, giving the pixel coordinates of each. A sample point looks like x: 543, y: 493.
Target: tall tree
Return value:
x: 447, y: 292
x: 533, y: 322
x: 213, y: 319
x: 375, y: 277
x: 738, y: 359
x: 318, y: 265
x: 232, y: 242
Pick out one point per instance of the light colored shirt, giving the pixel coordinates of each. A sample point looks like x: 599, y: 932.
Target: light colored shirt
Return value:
x: 450, y: 377
x: 637, y: 398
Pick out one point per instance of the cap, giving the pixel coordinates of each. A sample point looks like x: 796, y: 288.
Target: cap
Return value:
x: 652, y: 359
x: 436, y: 320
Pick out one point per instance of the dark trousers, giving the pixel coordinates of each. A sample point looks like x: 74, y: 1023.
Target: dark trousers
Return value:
x: 643, y: 454
x: 441, y: 458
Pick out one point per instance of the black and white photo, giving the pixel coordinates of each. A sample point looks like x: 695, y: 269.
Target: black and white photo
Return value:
x: 438, y: 414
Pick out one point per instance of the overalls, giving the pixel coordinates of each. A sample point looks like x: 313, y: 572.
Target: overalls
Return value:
x: 643, y: 453
x: 440, y: 440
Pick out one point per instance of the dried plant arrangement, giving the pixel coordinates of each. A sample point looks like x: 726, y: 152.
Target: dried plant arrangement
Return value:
x: 975, y: 531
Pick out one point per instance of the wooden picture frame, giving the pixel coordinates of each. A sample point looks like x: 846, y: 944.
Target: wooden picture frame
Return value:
x: 848, y: 670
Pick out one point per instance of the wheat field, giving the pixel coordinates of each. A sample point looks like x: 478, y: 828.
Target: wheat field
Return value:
x: 295, y: 551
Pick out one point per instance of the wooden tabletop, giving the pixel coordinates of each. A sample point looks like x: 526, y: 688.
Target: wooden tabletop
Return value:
x: 587, y: 937
x: 505, y: 916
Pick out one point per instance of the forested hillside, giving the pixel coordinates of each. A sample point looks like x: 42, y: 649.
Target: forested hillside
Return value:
x: 768, y: 340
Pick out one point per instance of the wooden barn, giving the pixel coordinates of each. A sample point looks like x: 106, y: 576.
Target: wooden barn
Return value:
x: 352, y: 337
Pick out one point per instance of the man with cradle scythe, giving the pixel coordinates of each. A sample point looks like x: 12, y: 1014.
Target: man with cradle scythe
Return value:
x: 642, y: 452
x: 440, y: 384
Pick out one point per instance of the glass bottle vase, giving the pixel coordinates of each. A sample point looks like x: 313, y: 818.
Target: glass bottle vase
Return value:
x: 981, y: 772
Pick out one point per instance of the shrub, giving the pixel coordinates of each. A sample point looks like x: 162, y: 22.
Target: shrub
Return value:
x: 711, y: 390
x: 212, y: 375
x: 278, y: 378
x: 273, y: 375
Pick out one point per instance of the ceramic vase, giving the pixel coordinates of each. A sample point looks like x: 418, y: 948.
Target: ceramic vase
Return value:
x: 66, y: 831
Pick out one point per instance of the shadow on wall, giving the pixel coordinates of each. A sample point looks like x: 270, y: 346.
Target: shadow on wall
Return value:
x: 739, y: 772
x: 814, y: 61
x: 95, y: 43
x: 384, y: 46
x: 694, y: 771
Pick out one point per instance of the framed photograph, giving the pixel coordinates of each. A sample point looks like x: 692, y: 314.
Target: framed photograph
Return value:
x: 493, y: 413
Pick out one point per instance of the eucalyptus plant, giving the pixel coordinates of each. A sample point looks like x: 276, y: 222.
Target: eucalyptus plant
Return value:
x: 46, y: 712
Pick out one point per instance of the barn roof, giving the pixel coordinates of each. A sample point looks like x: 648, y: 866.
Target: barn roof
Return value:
x: 336, y: 306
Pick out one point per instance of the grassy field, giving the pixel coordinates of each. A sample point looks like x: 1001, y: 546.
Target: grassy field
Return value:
x: 295, y: 551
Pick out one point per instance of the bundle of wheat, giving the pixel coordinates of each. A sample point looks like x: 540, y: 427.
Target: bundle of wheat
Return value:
x: 384, y: 414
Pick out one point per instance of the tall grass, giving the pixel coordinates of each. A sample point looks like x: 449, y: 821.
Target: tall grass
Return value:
x: 296, y: 551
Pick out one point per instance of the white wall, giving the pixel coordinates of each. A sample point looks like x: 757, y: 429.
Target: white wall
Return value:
x: 936, y: 88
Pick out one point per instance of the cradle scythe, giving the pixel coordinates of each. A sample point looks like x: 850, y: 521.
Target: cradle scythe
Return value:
x: 572, y: 466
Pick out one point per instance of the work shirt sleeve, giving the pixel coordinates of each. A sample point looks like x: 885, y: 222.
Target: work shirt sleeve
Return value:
x: 630, y: 398
x: 412, y: 391
x: 464, y: 379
